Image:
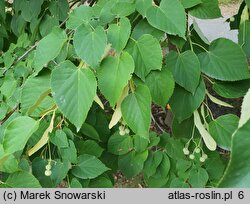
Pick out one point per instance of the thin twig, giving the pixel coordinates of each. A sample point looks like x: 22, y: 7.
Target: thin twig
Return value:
x: 9, y: 114
x: 161, y: 129
x: 61, y: 25
x: 26, y: 53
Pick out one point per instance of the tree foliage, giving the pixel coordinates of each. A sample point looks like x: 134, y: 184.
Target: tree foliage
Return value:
x: 77, y: 81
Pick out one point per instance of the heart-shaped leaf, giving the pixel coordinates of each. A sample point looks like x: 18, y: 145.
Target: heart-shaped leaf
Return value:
x: 169, y: 17
x: 185, y: 68
x: 225, y: 61
x: 90, y: 44
x: 114, y: 74
x: 74, y: 90
x: 147, y: 55
x: 136, y: 110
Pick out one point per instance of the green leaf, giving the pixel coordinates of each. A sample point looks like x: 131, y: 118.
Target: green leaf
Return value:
x: 59, y: 138
x: 140, y: 143
x: 156, y: 181
x: 164, y: 167
x: 80, y: 15
x: 47, y: 25
x: 225, y: 61
x: 153, y: 161
x: 118, y: 34
x: 183, y: 129
x: 119, y: 144
x: 182, y: 166
x: 147, y: 55
x: 90, y: 131
x: 90, y: 44
x: 235, y: 89
x: 101, y: 182
x: 169, y: 17
x: 24, y: 165
x: 136, y: 110
x: 69, y: 154
x: 10, y: 165
x: 90, y: 147
x: 59, y: 171
x: 183, y: 103
x: 17, y: 179
x: 123, y: 8
x: 114, y: 74
x: 75, y: 183
x: 179, y: 183
x: 206, y: 10
x: 31, y: 9
x: 222, y: 129
x: 17, y: 133
x: 143, y: 27
x: 2, y: 10
x: 215, y: 166
x: 102, y: 9
x: 198, y: 35
x: 248, y: 3
x: 161, y: 85
x: 33, y: 89
x: 161, y: 175
x: 185, y: 68
x: 142, y: 6
x: 154, y: 139
x: 190, y: 3
x: 88, y: 167
x: 74, y: 90
x: 8, y: 87
x: 131, y: 164
x: 173, y: 146
x: 237, y: 174
x: 59, y: 9
x: 45, y: 53
x: 198, y: 178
